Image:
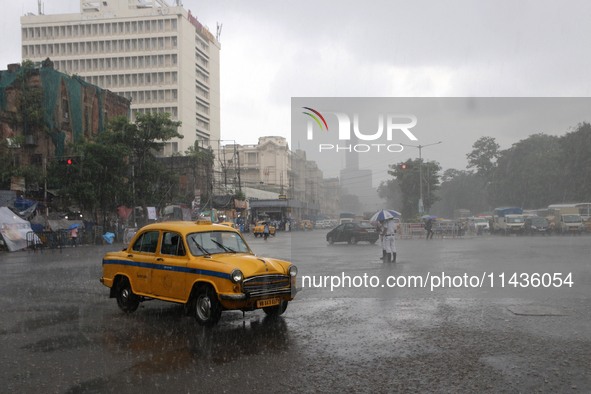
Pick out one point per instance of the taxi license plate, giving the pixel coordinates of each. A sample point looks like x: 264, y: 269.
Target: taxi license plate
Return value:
x: 265, y: 303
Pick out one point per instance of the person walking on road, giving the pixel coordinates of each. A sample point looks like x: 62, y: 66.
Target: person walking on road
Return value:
x: 429, y: 228
x: 388, y: 232
x: 74, y: 235
x: 266, y: 231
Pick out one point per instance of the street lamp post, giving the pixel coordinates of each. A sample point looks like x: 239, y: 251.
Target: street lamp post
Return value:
x: 421, y: 170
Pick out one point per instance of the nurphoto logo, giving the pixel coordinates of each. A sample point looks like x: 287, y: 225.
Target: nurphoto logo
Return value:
x: 391, y: 125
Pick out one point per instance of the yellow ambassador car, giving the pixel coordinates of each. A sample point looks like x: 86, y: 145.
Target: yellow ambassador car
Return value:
x: 205, y: 266
x: 229, y: 224
x: 259, y: 229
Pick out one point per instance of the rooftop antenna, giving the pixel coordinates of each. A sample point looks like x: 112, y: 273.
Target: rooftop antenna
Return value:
x: 219, y: 31
x: 178, y: 3
x: 39, y: 7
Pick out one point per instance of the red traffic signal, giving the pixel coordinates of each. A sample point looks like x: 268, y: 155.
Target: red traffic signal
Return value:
x: 69, y: 161
x: 403, y: 166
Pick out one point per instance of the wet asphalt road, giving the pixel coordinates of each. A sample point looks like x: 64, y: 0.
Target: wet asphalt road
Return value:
x: 60, y: 333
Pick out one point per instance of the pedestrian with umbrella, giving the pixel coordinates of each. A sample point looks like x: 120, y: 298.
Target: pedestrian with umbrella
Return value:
x: 388, y: 232
x: 429, y: 226
x: 74, y: 234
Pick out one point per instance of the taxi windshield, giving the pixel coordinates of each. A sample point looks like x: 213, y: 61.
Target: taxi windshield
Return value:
x: 215, y: 242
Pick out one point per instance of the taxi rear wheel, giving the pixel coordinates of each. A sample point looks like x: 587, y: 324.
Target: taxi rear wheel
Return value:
x: 276, y: 310
x: 207, y: 307
x: 330, y: 239
x: 126, y: 299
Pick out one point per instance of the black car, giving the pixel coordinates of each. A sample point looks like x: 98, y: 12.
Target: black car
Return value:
x: 353, y: 232
x: 536, y: 225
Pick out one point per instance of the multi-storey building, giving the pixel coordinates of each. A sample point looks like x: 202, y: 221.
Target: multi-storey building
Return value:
x: 73, y: 111
x: 159, y: 57
x: 271, y: 166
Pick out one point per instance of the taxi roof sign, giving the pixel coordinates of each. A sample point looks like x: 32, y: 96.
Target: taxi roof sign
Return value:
x: 204, y: 222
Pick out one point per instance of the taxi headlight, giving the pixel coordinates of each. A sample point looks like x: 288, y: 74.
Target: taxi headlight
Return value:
x: 236, y: 276
x: 293, y: 270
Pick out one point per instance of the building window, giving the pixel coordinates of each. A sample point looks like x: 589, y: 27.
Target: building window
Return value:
x: 174, y: 24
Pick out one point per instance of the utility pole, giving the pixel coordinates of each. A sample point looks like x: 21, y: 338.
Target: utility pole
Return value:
x: 45, y: 187
x: 421, y: 209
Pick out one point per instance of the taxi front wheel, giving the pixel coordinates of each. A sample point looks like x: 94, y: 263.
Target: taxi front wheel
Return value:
x: 276, y: 310
x: 207, y: 307
x: 126, y: 300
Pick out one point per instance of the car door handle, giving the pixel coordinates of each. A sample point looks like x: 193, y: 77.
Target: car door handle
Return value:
x: 129, y: 255
x: 159, y: 259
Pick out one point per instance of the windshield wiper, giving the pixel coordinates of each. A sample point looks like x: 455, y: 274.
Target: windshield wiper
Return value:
x: 201, y: 248
x: 226, y: 248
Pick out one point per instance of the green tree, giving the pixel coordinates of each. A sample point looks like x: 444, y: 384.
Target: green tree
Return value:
x: 460, y: 190
x: 97, y: 177
x: 574, y: 165
x: 202, y: 166
x: 409, y: 184
x: 151, y: 181
x: 529, y: 174
x: 483, y: 157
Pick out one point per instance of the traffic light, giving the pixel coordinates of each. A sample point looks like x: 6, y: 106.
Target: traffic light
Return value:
x: 69, y: 161
x: 404, y: 166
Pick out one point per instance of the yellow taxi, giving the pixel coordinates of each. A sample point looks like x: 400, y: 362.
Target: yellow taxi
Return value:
x: 551, y: 223
x: 229, y: 224
x: 207, y: 267
x: 259, y: 229
x: 306, y: 225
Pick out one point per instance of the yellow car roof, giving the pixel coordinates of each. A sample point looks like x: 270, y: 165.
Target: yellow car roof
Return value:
x: 188, y: 227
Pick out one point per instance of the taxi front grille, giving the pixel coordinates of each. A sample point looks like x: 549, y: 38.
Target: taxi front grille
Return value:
x: 266, y: 285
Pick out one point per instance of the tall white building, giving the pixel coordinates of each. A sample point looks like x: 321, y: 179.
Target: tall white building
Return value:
x: 158, y: 56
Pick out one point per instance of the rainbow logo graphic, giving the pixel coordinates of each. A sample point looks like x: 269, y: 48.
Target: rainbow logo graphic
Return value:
x: 315, y: 118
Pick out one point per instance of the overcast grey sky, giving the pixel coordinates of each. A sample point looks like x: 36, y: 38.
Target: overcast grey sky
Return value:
x: 275, y: 50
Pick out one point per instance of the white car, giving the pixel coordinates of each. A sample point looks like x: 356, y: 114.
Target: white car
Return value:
x: 476, y: 223
x: 321, y: 224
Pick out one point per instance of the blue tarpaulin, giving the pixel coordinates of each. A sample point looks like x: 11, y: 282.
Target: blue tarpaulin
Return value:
x: 109, y: 237
x: 21, y: 204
